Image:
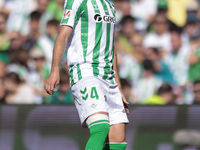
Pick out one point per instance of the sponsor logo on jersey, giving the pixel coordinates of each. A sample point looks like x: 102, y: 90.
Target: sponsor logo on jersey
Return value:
x: 67, y: 13
x: 107, y: 19
x: 97, y: 18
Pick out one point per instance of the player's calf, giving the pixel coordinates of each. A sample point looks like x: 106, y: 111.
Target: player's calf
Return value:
x: 116, y: 138
x: 99, y: 127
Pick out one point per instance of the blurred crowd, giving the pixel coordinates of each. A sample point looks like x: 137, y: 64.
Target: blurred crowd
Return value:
x: 157, y: 41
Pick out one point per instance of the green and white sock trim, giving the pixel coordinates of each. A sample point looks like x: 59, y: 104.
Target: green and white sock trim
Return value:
x: 95, y: 118
x: 99, y: 122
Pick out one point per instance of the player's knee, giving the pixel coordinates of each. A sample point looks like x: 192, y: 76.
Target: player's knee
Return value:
x: 118, y: 139
x: 98, y: 125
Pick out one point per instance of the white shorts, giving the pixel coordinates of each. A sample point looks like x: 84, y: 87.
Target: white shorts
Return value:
x: 92, y: 95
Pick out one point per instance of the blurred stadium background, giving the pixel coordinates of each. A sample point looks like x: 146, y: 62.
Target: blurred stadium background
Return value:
x: 158, y: 46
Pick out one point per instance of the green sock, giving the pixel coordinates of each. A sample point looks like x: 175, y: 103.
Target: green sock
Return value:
x: 98, y: 133
x: 115, y: 146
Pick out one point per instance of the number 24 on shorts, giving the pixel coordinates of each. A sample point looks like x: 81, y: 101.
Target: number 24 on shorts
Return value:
x: 93, y: 94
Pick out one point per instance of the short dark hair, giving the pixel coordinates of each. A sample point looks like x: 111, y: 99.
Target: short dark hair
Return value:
x: 14, y: 77
x: 126, y: 19
x: 174, y: 28
x: 124, y: 82
x: 53, y: 22
x: 165, y: 88
x: 196, y: 82
x: 147, y: 65
x: 35, y: 15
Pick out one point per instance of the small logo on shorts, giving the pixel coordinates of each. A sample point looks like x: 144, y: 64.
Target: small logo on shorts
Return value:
x: 67, y: 13
x: 123, y: 111
x: 94, y: 105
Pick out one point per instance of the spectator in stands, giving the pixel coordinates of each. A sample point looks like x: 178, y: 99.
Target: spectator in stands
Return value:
x: 161, y: 37
x: 56, y: 9
x: 52, y: 29
x: 46, y: 16
x: 19, y: 63
x: 137, y: 42
x: 162, y: 71
x: 36, y: 38
x: 129, y: 67
x: 2, y: 91
x: 18, y: 91
x: 194, y: 62
x: 4, y: 36
x: 127, y: 91
x: 196, y: 92
x: 38, y: 74
x: 16, y: 41
x: 34, y: 30
x: 124, y: 43
x: 143, y: 18
x: 125, y: 7
x: 191, y: 28
x: 4, y: 60
x: 63, y: 95
x: 177, y: 59
x: 164, y: 96
x: 148, y: 84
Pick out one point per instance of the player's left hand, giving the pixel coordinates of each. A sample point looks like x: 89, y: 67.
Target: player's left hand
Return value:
x: 126, y: 103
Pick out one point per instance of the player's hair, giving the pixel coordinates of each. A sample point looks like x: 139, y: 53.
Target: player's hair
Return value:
x: 35, y: 15
x: 165, y: 88
x: 53, y: 22
x: 64, y: 76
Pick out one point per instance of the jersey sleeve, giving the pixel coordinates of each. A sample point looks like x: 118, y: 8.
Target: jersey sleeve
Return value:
x: 71, y: 13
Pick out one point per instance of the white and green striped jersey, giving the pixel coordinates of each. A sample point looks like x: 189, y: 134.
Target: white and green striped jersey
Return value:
x: 90, y: 46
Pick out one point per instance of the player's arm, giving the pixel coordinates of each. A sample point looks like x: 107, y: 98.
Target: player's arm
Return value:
x: 59, y: 47
x: 118, y: 82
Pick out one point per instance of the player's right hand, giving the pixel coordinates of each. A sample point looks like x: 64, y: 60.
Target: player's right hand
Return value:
x: 51, y: 82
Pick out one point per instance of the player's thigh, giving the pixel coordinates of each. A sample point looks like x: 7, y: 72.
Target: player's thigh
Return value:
x: 89, y: 97
x: 117, y: 113
x: 117, y: 133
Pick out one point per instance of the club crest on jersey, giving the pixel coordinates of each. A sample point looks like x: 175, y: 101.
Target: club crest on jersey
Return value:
x: 107, y: 19
x: 67, y: 13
